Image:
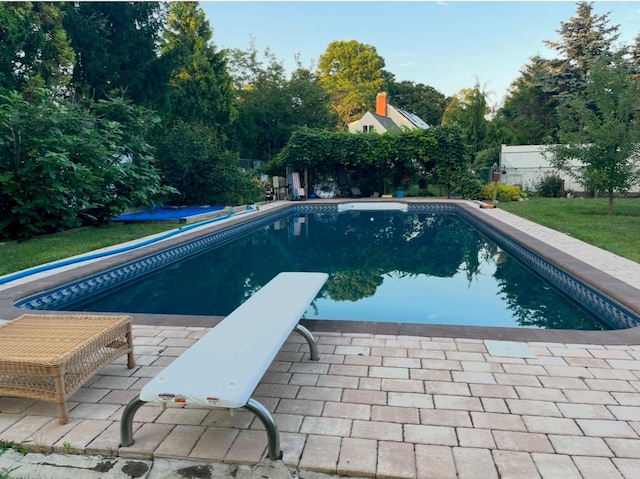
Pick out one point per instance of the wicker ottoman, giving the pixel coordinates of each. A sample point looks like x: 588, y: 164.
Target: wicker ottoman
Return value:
x: 49, y: 357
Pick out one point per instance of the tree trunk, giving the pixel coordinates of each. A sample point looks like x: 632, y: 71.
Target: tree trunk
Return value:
x: 610, y: 202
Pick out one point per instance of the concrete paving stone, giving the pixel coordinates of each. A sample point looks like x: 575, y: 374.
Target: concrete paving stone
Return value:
x: 445, y: 364
x: 401, y: 363
x: 363, y: 361
x: 604, y: 428
x: 625, y: 413
x: 389, y: 352
x: 568, y: 371
x: 119, y: 396
x: 386, y: 372
x: 493, y: 391
x: 353, y: 350
x: 348, y: 410
x: 114, y: 382
x: 10, y: 405
x: 505, y: 422
x: 608, y: 353
x: 569, y: 352
x: 214, y: 444
x: 347, y: 370
x: 363, y: 396
x: 594, y: 364
x: 436, y: 435
x: 358, y: 457
x: 482, y: 367
x: 597, y: 468
x: 89, y: 395
x: 627, y: 399
x: 470, y: 437
x: 303, y: 379
x: 628, y: 467
x: 522, y: 441
x: 289, y: 356
x: 326, y: 426
x: 319, y: 393
x: 377, y: 430
x: 22, y: 428
x: 107, y: 442
x: 321, y: 454
x: 551, y: 425
x: 426, y: 354
x: 249, y: 447
x: 370, y: 384
x: 77, y: 439
x: 525, y: 369
x: 440, y: 345
x: 183, y: 416
x: 180, y: 441
x: 42, y: 439
x: 443, y: 417
x: 335, y: 340
x: 276, y: 377
x: 146, y: 438
x: 457, y: 402
x: 624, y: 447
x: 304, y: 407
x: 517, y: 380
x: 447, y: 388
x: 403, y: 415
x: 430, y: 374
x: 410, y: 400
x: 292, y: 445
x: 515, y: 465
x: 624, y: 364
x: 474, y: 463
x: 554, y: 466
x: 221, y: 417
x: 606, y: 373
x: 584, y: 411
x: 580, y: 446
x: 504, y: 360
x: 334, y: 381
x: 403, y: 385
x: 538, y: 408
x: 464, y: 356
x: 609, y: 385
x: 396, y: 460
x: 277, y: 390
x: 285, y: 422
x: 496, y: 405
x: 562, y: 383
x: 408, y: 343
x: 541, y: 394
x: 435, y: 462
x: 589, y: 397
x: 379, y: 342
x: 473, y: 377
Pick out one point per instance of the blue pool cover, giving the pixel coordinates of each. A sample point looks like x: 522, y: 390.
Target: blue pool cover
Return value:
x: 167, y: 213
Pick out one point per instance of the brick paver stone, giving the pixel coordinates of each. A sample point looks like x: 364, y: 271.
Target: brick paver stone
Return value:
x: 358, y: 457
x: 321, y: 454
x: 515, y: 465
x: 214, y: 444
x: 472, y: 463
x: 628, y: 467
x: 437, y: 435
x: 179, y: 442
x: 522, y: 441
x: 554, y: 466
x: 469, y: 437
x: 603, y: 428
x: 396, y: 460
x: 435, y: 462
x: 597, y: 468
x: 624, y: 447
x: 580, y: 446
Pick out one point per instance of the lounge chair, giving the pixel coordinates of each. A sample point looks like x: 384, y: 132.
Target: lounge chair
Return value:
x: 296, y: 191
x: 346, y: 189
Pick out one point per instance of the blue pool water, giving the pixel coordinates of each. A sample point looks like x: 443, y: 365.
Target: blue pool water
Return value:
x: 383, y: 266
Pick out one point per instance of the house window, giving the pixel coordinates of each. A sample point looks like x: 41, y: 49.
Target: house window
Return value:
x: 368, y: 128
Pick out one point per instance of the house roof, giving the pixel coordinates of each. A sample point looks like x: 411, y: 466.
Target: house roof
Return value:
x: 415, y: 119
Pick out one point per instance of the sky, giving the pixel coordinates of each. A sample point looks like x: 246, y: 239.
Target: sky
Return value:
x: 447, y: 45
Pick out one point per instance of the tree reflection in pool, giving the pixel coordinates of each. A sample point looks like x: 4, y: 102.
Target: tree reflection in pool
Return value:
x: 383, y: 266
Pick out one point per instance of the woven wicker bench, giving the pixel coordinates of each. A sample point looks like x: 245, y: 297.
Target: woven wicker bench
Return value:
x: 49, y: 357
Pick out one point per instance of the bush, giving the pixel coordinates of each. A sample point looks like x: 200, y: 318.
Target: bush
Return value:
x: 505, y: 192
x: 550, y: 186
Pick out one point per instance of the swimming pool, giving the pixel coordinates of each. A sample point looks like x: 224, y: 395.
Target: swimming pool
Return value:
x: 420, y: 261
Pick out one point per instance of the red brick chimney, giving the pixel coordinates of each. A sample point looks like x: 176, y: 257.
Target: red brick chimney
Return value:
x: 381, y: 103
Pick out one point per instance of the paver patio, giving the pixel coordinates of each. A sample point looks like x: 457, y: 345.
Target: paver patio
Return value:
x: 379, y: 405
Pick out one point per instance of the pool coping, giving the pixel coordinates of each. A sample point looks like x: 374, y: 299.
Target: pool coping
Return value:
x: 613, y: 287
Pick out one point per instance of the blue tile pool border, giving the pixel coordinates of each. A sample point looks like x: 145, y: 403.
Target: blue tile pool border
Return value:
x: 616, y: 314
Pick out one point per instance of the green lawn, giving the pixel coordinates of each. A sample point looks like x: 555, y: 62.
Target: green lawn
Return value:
x: 15, y: 256
x: 587, y: 220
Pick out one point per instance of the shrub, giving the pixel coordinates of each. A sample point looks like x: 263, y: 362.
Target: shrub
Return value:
x: 550, y: 186
x: 505, y: 192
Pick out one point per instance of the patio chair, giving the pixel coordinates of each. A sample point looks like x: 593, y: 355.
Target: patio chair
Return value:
x: 346, y: 189
x: 296, y: 191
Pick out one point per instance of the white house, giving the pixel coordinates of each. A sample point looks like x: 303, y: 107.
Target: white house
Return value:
x: 386, y: 118
x: 525, y: 165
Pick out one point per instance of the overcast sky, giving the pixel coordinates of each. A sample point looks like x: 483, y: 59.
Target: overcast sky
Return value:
x: 447, y: 45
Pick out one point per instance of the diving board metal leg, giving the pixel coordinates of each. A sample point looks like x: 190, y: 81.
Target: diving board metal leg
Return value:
x: 306, y: 334
x: 126, y: 423
x: 270, y: 426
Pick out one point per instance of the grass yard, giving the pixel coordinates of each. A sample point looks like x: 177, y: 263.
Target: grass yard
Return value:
x: 18, y: 255
x: 586, y: 219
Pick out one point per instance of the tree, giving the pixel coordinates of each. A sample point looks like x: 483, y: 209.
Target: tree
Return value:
x: 35, y: 50
x: 351, y: 72
x: 603, y: 130
x: 116, y: 49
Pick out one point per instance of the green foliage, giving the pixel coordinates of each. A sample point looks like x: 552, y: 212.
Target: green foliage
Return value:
x: 602, y: 129
x: 549, y: 186
x: 351, y: 72
x: 62, y: 166
x: 422, y: 100
x: 194, y: 162
x: 505, y: 192
x: 34, y: 48
x: 116, y: 49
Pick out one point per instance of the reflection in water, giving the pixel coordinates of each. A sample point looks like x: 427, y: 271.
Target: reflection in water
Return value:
x: 383, y: 266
